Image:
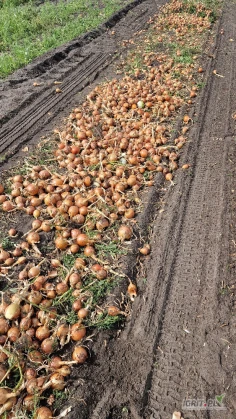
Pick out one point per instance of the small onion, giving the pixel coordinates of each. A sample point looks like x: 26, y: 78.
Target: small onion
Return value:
x: 113, y: 311
x: 77, y: 332
x: 145, y: 250
x: 43, y: 413
x: 4, y: 326
x: 79, y: 354
x: 83, y: 313
x: 12, y: 232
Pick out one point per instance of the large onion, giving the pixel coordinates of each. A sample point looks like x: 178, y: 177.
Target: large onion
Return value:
x: 124, y: 232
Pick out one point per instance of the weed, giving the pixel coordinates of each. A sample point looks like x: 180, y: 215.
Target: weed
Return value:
x: 63, y: 305
x: 104, y: 321
x: 59, y: 398
x: 100, y: 289
x: 7, y: 244
x: 68, y: 260
x: 109, y: 249
x: 202, y: 84
x: 2, y: 158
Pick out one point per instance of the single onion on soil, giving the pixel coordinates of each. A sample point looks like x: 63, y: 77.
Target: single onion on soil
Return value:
x: 79, y: 354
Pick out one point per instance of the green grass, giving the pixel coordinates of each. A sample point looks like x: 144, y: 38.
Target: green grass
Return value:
x: 104, y: 322
x: 7, y: 244
x: 27, y: 30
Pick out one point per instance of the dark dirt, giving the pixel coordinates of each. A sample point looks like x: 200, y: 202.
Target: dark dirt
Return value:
x: 180, y: 340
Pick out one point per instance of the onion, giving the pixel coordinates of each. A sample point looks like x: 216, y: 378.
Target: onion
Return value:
x: 83, y: 313
x: 61, y: 243
x: 25, y: 323
x: 89, y: 251
x: 79, y: 354
x: 36, y: 357
x: 48, y: 345
x: 64, y: 370
x: 33, y: 238
x: 35, y: 297
x: 12, y: 311
x: 17, y: 252
x: 77, y: 332
x: 3, y: 356
x: 4, y: 255
x: 124, y: 232
x: 42, y: 332
x: 57, y: 381
x: 101, y: 274
x: 12, y: 232
x: 77, y: 305
x: 55, y: 263
x: 1, y: 189
x: 62, y: 333
x: 102, y: 224
x: 30, y: 373
x: 61, y: 288
x: 145, y: 250
x: 36, y: 224
x: 79, y: 263
x: 33, y: 272
x: 169, y: 176
x: 74, y: 278
x: 32, y: 386
x: 32, y: 189
x: 43, y: 413
x: 132, y: 291
x: 140, y: 104
x: 129, y: 213
x: 113, y: 311
x: 7, y: 206
x: 23, y: 275
x: 82, y: 239
x: 29, y: 402
x: 46, y: 226
x: 5, y: 394
x: 4, y: 326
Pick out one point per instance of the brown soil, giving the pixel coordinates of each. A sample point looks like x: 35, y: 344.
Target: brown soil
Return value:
x: 180, y: 341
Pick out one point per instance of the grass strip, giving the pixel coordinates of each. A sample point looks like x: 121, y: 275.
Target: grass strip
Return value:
x: 27, y: 30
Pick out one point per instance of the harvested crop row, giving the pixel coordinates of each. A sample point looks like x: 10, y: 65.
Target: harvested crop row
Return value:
x: 85, y: 200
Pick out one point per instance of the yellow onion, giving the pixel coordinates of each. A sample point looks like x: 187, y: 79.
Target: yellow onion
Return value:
x: 12, y: 311
x: 79, y: 354
x: 124, y: 232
